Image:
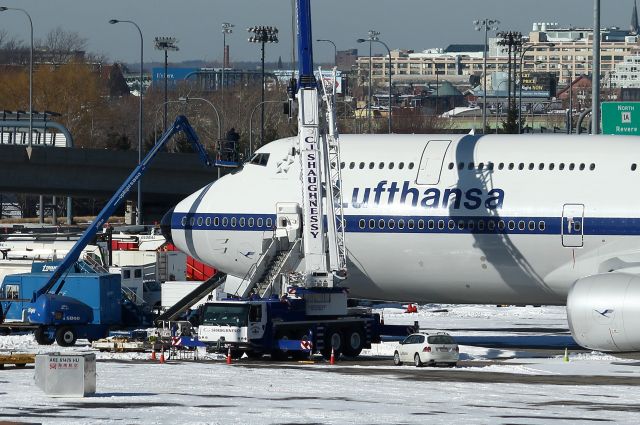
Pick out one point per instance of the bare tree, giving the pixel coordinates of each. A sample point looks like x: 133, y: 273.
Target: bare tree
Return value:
x: 61, y: 46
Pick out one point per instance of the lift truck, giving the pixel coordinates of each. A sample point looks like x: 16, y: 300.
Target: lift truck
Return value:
x: 65, y: 318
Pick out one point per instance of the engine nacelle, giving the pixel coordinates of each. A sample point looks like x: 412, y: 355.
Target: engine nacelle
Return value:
x: 604, y: 312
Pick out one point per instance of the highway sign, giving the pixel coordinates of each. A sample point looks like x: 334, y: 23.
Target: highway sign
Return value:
x: 621, y: 118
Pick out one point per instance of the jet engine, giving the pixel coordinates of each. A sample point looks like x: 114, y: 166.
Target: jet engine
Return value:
x: 604, y: 312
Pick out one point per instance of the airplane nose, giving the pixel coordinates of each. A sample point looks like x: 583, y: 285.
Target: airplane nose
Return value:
x: 165, y: 226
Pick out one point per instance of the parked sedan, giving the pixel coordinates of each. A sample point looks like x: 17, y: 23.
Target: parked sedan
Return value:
x: 425, y: 348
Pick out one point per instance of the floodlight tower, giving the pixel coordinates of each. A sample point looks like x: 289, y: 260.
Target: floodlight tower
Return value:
x: 166, y: 44
x: 263, y: 34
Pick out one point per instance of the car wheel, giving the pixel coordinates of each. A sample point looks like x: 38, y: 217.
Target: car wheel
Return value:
x: 417, y: 361
x: 396, y: 359
x: 452, y: 364
x: 66, y: 336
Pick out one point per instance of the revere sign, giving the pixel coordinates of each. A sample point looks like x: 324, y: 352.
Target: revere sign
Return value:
x: 621, y: 118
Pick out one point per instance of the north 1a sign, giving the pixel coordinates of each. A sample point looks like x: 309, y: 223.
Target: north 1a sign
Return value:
x: 621, y: 118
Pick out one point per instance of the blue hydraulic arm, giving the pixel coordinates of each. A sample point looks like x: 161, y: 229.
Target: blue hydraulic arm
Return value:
x: 181, y: 124
x: 305, y: 46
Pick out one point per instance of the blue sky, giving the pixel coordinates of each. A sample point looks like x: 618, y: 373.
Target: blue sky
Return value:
x: 411, y: 24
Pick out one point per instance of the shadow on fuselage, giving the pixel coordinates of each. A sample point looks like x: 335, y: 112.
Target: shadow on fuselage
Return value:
x: 497, y: 246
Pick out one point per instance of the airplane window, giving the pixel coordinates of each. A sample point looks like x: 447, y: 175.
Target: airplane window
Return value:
x: 192, y: 221
x: 561, y: 166
x: 592, y: 166
x: 420, y: 224
x: 241, y: 222
x: 552, y: 166
x: 481, y: 166
x: 260, y: 159
x: 392, y: 224
x: 577, y: 226
x: 216, y: 221
x: 511, y: 165
x: 521, y: 225
x: 451, y: 224
x: 532, y: 225
x: 381, y: 223
x: 381, y: 165
x: 371, y: 165
x: 401, y: 165
x: 512, y: 225
x: 233, y: 221
x: 471, y: 166
x: 269, y: 223
x: 200, y: 220
x: 431, y: 224
x: 362, y: 223
x: 342, y: 164
x: 250, y: 222
x: 541, y: 166
x: 184, y: 221
x: 521, y: 166
x: 372, y: 224
x: 572, y: 166
x: 491, y: 225
x: 411, y: 165
x: 581, y: 167
x: 391, y: 165
x: 541, y: 226
x: 441, y: 224
x: 480, y: 225
x: 411, y: 224
x: 490, y: 166
x: 361, y: 166
x: 225, y: 222
x: 207, y: 222
x: 531, y: 165
x: 471, y: 225
x: 501, y: 225
x: 633, y: 167
x: 501, y: 166
x: 460, y: 165
x: 352, y: 165
x: 461, y: 225
x: 333, y: 165
x: 451, y: 165
x: 260, y: 222
x: 400, y: 224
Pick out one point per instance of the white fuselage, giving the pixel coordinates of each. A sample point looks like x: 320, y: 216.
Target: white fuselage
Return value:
x: 534, y: 214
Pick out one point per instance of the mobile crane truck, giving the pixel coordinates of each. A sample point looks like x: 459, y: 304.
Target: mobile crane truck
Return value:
x: 64, y: 318
x: 311, y: 314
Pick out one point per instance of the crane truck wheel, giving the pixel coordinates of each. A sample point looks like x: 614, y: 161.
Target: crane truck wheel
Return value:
x: 333, y: 339
x: 354, y: 342
x: 42, y: 337
x: 66, y: 336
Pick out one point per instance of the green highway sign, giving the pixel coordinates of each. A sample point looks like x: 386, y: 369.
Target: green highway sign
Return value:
x: 621, y: 118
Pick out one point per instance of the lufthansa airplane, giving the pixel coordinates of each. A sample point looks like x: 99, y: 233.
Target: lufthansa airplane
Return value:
x: 532, y: 219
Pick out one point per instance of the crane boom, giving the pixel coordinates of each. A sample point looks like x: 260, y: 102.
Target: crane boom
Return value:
x: 181, y: 124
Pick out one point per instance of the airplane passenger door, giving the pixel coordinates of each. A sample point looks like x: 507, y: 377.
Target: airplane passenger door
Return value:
x: 431, y: 162
x: 572, y: 225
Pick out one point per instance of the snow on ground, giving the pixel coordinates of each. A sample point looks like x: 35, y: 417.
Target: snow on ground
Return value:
x: 132, y: 389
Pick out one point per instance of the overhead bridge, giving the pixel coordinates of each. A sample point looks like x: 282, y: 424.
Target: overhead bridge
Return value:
x: 98, y: 172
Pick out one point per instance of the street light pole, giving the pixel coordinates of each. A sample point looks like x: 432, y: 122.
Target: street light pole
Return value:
x: 166, y: 44
x: 262, y: 35
x: 520, y: 88
x: 140, y: 122
x: 389, y: 52
x: 372, y: 36
x: 595, y: 83
x: 227, y: 28
x: 570, y: 117
x: 486, y: 25
x: 335, y: 50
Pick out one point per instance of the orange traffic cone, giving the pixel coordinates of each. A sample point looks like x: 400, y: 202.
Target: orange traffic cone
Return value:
x: 229, y: 356
x: 153, y: 354
x: 332, y: 359
x: 162, y: 361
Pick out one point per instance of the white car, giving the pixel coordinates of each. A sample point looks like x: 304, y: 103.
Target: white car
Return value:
x: 427, y: 348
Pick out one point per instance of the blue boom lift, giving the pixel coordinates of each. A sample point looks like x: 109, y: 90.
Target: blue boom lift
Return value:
x: 67, y: 318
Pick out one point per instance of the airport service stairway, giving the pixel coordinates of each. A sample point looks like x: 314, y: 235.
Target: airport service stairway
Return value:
x: 193, y: 297
x: 280, y: 257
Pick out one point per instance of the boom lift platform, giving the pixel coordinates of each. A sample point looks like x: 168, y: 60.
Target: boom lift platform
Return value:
x: 67, y: 318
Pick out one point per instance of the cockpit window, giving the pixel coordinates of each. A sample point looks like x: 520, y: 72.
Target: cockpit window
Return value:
x: 260, y: 159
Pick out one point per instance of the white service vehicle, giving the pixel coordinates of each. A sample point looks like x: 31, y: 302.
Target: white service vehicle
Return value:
x: 427, y: 349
